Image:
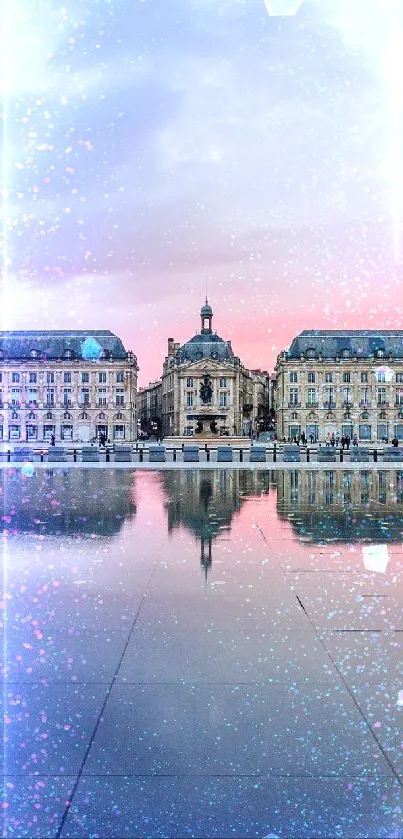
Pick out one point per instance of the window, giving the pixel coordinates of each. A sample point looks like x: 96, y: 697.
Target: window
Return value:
x: 85, y: 377
x: 293, y: 395
x: 50, y: 397
x: 310, y: 353
x: 32, y: 396
x: 67, y: 378
x: 399, y: 378
x: 345, y: 353
x: 379, y: 353
x: 119, y: 432
x: 399, y: 396
x: 120, y: 396
x: 85, y: 396
x: 312, y: 378
x: 364, y: 378
x: 382, y: 431
x: 364, y: 432
x: 34, y: 353
x: 223, y: 400
x: 189, y: 400
x: 1, y: 377
x: 50, y: 378
x: 329, y: 378
x: 223, y: 383
x: 380, y: 376
x: 15, y: 396
x: 347, y: 430
x: 381, y: 395
x: 102, y: 378
x: 189, y: 382
x: 119, y: 377
x: 365, y: 398
x: 346, y: 396
x: 346, y: 378
x: 67, y: 397
x: 15, y: 377
x: 68, y: 354
x: 102, y: 397
x: 293, y: 377
x: 312, y: 396
x: 32, y: 378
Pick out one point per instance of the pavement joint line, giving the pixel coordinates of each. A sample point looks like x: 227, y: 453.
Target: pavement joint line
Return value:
x: 104, y: 704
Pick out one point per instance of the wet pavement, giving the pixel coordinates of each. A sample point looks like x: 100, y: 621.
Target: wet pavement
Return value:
x: 202, y: 653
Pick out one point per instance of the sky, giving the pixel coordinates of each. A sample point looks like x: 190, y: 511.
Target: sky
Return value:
x: 153, y: 149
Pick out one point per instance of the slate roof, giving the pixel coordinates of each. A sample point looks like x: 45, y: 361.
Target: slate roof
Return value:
x: 52, y: 344
x: 207, y: 345
x: 361, y: 343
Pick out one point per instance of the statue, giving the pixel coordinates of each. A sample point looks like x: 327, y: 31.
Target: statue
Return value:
x: 206, y: 390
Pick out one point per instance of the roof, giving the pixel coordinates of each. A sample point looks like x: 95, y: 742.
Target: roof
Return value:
x: 53, y: 344
x: 205, y: 345
x: 354, y: 343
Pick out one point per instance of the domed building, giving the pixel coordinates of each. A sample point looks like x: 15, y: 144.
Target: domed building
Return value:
x: 206, y: 390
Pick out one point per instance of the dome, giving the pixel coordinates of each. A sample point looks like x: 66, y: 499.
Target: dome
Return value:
x: 207, y: 346
x: 206, y: 309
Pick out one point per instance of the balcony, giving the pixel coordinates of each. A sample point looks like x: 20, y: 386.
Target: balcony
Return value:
x: 347, y: 403
x: 364, y: 403
x: 294, y: 404
x: 312, y: 404
x: 381, y: 403
x: 330, y: 405
x: 84, y: 404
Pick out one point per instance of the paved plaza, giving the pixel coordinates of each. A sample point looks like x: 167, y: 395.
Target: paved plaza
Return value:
x: 202, y: 652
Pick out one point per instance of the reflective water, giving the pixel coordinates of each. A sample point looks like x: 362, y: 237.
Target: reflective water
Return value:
x: 202, y: 653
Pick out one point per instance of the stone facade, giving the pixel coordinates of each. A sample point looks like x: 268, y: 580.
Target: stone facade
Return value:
x: 149, y: 409
x: 206, y: 389
x: 74, y: 385
x: 341, y: 383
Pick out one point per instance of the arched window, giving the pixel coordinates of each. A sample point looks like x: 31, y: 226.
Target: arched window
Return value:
x: 311, y: 353
x: 68, y: 353
x: 379, y: 353
x: 49, y: 415
x: 34, y: 353
x: 345, y: 353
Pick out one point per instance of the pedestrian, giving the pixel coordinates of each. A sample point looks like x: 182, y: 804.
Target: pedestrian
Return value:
x: 348, y: 441
x: 52, y: 440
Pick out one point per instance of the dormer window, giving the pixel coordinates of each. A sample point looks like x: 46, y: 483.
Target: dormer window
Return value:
x: 68, y: 353
x: 311, y: 353
x: 379, y: 353
x: 34, y: 354
x: 346, y: 353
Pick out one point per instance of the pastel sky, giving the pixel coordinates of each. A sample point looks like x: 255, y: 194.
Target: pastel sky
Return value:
x: 153, y: 145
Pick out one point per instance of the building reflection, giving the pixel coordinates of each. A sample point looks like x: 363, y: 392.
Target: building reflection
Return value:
x: 206, y: 501
x: 71, y: 502
x: 343, y: 506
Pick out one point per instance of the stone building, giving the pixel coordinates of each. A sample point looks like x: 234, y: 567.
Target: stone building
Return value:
x: 149, y: 409
x: 73, y: 384
x: 346, y: 382
x: 206, y: 389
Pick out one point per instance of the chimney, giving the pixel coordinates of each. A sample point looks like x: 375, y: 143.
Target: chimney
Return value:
x: 170, y: 346
x: 176, y: 347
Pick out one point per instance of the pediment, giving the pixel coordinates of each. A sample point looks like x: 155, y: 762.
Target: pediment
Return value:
x: 206, y: 365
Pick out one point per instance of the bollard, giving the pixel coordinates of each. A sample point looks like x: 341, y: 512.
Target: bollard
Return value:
x: 8, y: 456
x: 274, y: 454
x: 205, y: 448
x: 108, y: 455
x: 141, y: 453
x: 75, y: 455
x: 375, y: 456
x: 308, y: 454
x: 341, y: 455
x: 41, y: 455
x: 183, y: 446
x: 241, y: 455
x: 208, y: 454
x: 174, y: 455
x: 137, y: 447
